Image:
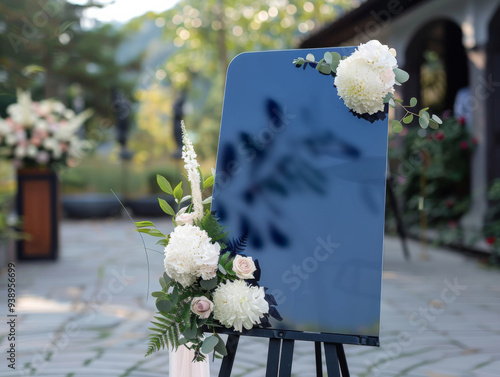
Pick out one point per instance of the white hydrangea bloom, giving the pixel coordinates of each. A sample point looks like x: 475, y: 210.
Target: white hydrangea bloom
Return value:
x: 190, y: 254
x: 366, y: 77
x: 376, y: 54
x: 361, y: 89
x: 191, y: 165
x: 239, y: 305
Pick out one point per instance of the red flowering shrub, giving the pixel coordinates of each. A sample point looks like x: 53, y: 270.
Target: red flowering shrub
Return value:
x: 437, y: 161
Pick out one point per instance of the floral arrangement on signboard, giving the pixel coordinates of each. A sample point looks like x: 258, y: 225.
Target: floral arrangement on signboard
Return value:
x: 365, y: 81
x: 41, y: 133
x: 208, y: 282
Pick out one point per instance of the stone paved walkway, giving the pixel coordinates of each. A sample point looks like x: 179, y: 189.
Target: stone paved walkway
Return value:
x: 87, y: 315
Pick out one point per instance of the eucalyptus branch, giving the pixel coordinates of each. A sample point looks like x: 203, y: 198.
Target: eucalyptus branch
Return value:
x: 425, y: 119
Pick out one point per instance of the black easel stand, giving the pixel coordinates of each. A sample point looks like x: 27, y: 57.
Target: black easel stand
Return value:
x: 280, y: 351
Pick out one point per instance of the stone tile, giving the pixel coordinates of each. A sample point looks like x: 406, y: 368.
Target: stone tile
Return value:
x: 463, y: 339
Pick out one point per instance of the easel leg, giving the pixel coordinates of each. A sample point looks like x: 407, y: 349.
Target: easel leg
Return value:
x: 319, y: 363
x: 332, y: 360
x: 286, y: 358
x: 342, y: 360
x: 228, y: 360
x: 273, y: 357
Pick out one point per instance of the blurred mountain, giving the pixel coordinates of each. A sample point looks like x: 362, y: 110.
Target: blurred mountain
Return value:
x: 144, y: 38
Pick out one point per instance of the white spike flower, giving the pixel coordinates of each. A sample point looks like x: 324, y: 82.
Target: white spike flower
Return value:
x: 191, y: 165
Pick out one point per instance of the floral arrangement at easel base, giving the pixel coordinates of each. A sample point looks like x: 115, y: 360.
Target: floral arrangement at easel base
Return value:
x: 39, y: 134
x: 208, y: 282
x: 365, y: 81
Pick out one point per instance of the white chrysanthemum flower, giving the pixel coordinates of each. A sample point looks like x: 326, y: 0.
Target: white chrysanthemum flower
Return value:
x: 238, y: 305
x: 360, y: 86
x: 366, y: 77
x: 191, y: 165
x: 376, y: 54
x: 190, y: 254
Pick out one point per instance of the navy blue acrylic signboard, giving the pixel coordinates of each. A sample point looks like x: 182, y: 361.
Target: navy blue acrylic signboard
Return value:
x: 304, y: 179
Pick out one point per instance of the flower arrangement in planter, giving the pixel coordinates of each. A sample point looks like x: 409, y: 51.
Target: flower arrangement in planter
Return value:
x: 41, y: 133
x: 40, y: 138
x: 208, y: 281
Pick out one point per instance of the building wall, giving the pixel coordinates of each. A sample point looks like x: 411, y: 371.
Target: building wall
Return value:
x: 473, y: 17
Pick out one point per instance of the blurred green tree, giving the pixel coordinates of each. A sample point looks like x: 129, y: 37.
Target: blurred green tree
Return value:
x: 44, y: 48
x: 209, y: 33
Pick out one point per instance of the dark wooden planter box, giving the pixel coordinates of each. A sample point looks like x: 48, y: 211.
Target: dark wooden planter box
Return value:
x: 38, y: 206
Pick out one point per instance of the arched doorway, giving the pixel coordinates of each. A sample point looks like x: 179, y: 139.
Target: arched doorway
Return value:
x: 437, y: 62
x: 493, y: 101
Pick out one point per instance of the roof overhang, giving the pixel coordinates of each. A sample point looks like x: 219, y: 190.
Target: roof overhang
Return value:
x: 369, y: 14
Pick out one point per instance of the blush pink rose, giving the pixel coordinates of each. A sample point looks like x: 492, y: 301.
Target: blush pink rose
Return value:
x: 202, y: 307
x: 244, y: 267
x: 388, y: 77
x: 184, y: 218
